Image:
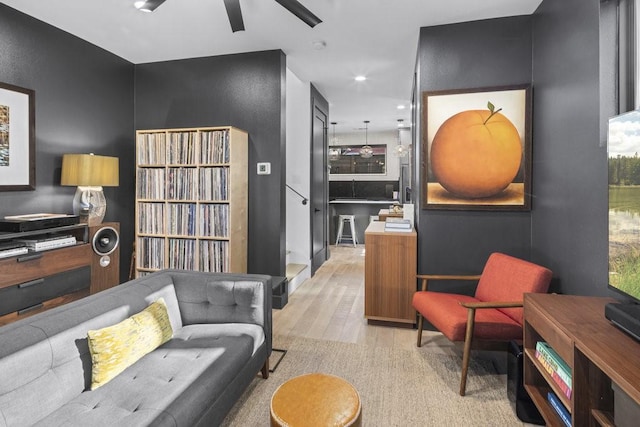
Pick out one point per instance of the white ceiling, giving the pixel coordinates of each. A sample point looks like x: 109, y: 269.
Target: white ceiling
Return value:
x: 375, y: 38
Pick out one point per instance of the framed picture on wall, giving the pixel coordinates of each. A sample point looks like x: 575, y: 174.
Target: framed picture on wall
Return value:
x: 17, y: 138
x: 477, y: 149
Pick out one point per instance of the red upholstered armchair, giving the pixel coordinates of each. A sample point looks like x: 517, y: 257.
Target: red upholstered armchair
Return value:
x: 493, y: 315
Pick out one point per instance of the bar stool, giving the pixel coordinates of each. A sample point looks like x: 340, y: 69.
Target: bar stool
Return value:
x: 352, y: 223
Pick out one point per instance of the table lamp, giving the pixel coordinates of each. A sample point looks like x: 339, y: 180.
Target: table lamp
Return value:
x: 89, y: 173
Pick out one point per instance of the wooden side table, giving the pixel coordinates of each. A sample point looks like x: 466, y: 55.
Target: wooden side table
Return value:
x: 390, y: 268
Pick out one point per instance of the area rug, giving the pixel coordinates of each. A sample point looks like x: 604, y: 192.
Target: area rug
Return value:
x: 397, y: 387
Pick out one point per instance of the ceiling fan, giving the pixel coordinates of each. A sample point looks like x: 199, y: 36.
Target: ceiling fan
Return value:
x: 235, y: 14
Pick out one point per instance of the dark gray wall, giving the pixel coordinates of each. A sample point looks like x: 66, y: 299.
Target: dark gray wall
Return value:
x: 558, y: 49
x: 246, y: 91
x: 569, y: 220
x: 476, y: 54
x: 84, y: 103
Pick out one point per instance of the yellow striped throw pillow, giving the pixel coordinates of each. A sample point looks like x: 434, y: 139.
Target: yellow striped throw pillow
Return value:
x: 117, y: 347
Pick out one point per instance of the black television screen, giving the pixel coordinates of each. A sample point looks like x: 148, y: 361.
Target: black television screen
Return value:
x: 623, y: 143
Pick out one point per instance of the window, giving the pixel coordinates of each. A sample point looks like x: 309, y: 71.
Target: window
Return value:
x: 346, y: 160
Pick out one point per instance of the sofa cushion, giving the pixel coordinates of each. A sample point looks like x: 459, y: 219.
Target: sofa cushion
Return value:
x: 165, y: 387
x: 489, y: 324
x: 116, y: 347
x: 216, y: 300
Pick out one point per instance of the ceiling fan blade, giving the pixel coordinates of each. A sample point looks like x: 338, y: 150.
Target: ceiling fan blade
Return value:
x: 304, y: 14
x: 148, y: 5
x: 235, y: 15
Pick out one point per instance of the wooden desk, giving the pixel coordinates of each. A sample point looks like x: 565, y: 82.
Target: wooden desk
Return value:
x: 390, y: 266
x: 597, y: 352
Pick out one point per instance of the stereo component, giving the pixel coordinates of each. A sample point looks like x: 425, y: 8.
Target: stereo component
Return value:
x: 31, y: 222
x: 105, y: 240
x: 105, y: 259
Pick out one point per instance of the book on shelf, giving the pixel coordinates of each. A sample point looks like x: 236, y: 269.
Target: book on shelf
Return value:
x: 398, y: 225
x: 46, y: 243
x: 556, y: 361
x: 398, y: 230
x: 11, y: 244
x: 6, y: 253
x: 558, y: 380
x: 557, y: 405
x: 555, y: 366
x: 551, y: 366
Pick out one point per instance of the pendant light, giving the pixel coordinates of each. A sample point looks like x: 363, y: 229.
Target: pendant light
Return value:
x: 334, y: 152
x: 401, y: 150
x: 366, y: 151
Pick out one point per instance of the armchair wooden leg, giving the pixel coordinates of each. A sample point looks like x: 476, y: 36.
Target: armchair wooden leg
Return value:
x: 471, y: 315
x: 419, y: 343
x: 265, y: 369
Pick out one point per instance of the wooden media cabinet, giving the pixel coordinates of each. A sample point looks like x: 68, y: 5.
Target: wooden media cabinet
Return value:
x: 40, y: 280
x: 600, y: 357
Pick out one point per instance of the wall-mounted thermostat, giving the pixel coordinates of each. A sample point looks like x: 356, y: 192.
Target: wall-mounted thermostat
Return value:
x: 264, y: 168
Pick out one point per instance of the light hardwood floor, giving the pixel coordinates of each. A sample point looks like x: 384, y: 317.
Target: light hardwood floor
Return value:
x: 330, y: 306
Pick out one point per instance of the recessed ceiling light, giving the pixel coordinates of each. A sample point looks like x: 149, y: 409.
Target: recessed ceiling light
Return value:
x: 401, y: 107
x: 360, y: 78
x: 319, y: 44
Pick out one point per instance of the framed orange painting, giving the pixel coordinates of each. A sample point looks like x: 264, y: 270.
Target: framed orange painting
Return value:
x: 476, y: 149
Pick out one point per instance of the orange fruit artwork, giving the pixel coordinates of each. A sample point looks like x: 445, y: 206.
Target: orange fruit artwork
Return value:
x: 476, y: 153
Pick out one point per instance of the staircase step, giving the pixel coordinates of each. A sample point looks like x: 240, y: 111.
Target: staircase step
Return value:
x: 294, y: 269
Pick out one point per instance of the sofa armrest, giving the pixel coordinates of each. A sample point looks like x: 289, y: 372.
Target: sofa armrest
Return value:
x: 224, y: 298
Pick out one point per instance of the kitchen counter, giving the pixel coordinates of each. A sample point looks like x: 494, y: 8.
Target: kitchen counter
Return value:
x: 365, y: 201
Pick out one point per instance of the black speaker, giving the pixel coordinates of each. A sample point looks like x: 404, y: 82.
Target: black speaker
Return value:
x: 105, y: 240
x: 520, y: 400
x: 105, y: 259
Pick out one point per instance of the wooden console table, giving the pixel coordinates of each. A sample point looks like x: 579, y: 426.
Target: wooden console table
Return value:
x: 38, y: 281
x: 598, y: 353
x: 390, y: 266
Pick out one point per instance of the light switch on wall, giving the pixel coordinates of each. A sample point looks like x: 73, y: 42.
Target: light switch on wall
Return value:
x: 264, y: 168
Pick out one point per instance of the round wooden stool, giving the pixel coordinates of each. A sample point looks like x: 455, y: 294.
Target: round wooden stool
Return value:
x: 315, y: 400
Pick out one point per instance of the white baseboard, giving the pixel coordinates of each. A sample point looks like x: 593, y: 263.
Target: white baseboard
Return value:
x: 299, y: 279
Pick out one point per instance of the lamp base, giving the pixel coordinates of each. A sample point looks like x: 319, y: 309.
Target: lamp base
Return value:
x: 89, y: 203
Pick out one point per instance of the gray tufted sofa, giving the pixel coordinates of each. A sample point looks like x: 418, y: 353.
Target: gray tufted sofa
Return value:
x: 222, y: 340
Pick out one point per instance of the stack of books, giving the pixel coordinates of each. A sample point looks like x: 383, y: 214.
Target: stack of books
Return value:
x: 557, y: 405
x: 9, y: 249
x: 45, y: 243
x: 398, y: 225
x: 555, y: 366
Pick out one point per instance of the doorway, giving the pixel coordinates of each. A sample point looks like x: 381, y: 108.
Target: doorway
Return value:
x: 319, y: 194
